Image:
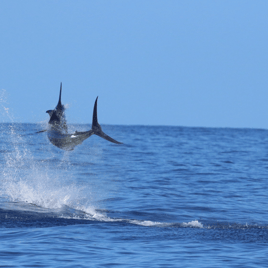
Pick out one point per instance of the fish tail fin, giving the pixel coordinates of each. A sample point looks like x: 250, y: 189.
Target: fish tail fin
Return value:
x: 96, y: 128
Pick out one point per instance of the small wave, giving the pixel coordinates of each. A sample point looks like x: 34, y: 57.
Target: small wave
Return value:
x: 194, y: 224
x: 148, y: 223
x: 92, y: 215
x: 235, y: 226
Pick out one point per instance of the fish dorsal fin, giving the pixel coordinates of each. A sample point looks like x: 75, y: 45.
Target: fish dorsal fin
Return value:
x: 59, y: 103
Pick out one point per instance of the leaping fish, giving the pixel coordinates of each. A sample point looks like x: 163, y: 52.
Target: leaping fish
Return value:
x: 57, y: 131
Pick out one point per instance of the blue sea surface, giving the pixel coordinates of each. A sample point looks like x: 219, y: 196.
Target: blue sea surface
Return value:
x: 167, y: 197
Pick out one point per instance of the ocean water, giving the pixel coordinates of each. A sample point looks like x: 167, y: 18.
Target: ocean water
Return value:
x: 167, y: 197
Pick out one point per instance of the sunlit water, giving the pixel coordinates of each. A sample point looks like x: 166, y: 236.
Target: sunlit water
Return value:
x: 168, y: 197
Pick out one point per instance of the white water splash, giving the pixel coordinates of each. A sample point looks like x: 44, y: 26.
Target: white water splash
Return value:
x: 5, y: 111
x: 27, y: 181
x: 195, y: 224
x: 24, y: 179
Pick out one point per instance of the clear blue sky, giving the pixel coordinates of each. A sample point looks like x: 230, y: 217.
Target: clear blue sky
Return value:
x: 184, y: 63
